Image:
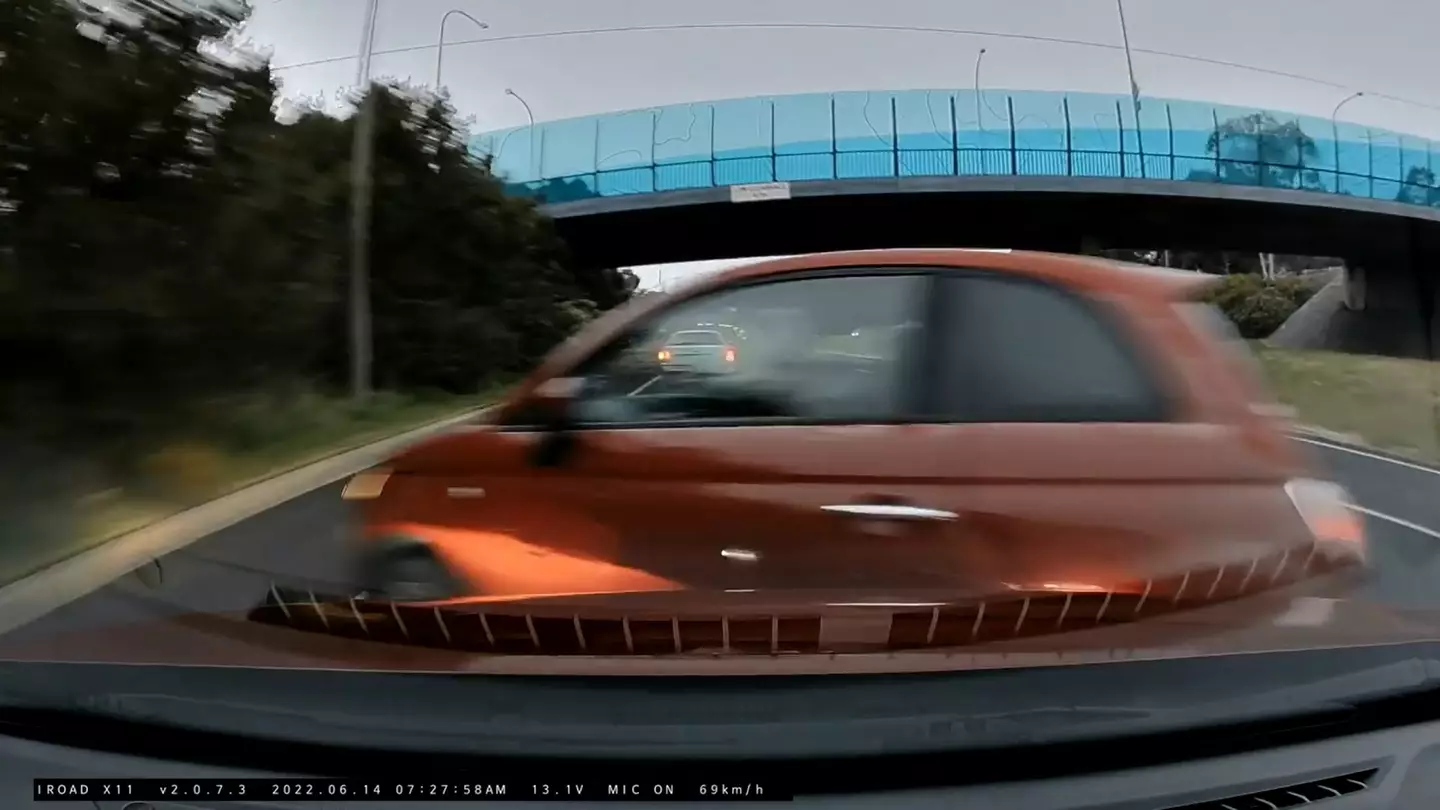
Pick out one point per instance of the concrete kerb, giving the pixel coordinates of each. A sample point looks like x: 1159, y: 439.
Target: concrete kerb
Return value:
x: 28, y: 599
x: 1331, y: 435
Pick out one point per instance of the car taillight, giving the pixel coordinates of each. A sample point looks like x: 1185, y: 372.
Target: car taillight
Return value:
x: 1326, y: 509
x: 663, y: 355
x: 729, y: 354
x: 366, y: 486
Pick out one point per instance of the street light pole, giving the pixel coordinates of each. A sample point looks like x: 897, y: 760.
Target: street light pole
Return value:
x: 1129, y: 61
x: 535, y: 165
x: 1134, y: 86
x: 440, y: 42
x: 1335, y: 133
x: 979, y: 120
x: 361, y: 156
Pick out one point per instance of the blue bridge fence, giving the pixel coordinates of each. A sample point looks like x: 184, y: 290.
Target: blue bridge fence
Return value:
x: 928, y: 133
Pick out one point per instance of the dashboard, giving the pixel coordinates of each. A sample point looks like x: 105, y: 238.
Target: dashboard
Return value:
x: 1395, y: 768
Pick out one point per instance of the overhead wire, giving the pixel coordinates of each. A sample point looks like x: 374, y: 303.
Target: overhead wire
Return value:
x: 624, y: 29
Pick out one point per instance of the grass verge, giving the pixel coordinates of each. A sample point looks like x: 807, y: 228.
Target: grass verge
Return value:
x: 1390, y: 403
x: 248, y: 441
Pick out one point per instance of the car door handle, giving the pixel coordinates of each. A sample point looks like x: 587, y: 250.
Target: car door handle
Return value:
x: 891, y: 511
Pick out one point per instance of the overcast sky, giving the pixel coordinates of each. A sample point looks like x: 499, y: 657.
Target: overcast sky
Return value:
x: 1300, y: 56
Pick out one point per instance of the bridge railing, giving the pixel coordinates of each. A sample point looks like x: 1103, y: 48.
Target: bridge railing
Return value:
x: 933, y: 133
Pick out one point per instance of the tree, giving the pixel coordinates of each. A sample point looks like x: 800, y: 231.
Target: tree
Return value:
x: 1257, y: 149
x: 103, y: 135
x: 561, y: 190
x: 166, y: 244
x: 1419, y: 188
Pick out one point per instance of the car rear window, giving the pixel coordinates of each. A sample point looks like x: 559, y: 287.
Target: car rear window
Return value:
x: 696, y: 339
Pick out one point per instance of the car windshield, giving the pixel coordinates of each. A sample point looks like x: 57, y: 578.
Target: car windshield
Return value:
x: 537, y: 351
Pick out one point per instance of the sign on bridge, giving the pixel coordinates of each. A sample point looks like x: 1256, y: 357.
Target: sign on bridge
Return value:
x: 759, y: 192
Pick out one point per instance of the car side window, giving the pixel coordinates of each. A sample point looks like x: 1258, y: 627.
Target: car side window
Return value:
x: 1015, y: 350
x: 825, y: 348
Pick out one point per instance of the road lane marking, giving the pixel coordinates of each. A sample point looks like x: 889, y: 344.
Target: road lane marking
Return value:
x: 1307, y: 611
x: 1358, y: 452
x: 1364, y: 510
x: 1415, y: 527
x: 647, y: 384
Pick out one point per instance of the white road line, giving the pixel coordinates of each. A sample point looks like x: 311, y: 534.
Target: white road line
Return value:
x: 1365, y: 510
x: 1415, y: 527
x: 1307, y: 611
x: 647, y: 384
x: 1359, y: 452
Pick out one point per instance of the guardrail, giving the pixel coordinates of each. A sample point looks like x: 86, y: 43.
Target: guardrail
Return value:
x: 930, y: 133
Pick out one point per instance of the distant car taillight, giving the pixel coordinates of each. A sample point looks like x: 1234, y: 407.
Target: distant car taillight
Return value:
x: 729, y: 354
x: 367, y: 485
x: 1326, y: 509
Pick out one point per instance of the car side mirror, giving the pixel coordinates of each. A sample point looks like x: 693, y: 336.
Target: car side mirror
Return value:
x: 554, y: 401
x: 558, y: 392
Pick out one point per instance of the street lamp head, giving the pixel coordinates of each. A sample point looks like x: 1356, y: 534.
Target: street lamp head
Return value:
x: 478, y: 23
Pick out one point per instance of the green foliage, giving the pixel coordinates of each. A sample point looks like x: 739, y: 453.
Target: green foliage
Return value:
x: 1419, y: 188
x: 165, y: 241
x: 1256, y: 143
x: 1258, y: 306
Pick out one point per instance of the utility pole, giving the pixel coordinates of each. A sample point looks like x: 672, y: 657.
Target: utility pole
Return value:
x: 361, y: 190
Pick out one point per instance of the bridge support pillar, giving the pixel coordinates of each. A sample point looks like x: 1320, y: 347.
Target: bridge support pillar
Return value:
x: 1354, y: 276
x: 1389, y: 301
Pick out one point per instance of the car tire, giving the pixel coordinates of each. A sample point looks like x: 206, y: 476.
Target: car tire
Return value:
x: 411, y: 573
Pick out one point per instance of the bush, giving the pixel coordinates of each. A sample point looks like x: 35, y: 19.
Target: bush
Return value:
x: 1256, y: 305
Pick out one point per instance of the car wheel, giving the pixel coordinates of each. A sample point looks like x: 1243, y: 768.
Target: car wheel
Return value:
x: 411, y: 575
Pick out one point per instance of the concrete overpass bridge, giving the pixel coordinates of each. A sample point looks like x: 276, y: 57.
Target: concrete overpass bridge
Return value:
x: 1059, y: 171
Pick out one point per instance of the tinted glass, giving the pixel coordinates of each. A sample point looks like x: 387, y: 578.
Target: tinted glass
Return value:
x: 815, y: 349
x: 1019, y: 351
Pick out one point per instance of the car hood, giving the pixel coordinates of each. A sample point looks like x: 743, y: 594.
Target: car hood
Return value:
x: 699, y: 633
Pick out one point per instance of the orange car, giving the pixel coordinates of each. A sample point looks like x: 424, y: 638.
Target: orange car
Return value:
x: 902, y: 424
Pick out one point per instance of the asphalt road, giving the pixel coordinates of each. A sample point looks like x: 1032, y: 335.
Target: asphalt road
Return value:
x: 302, y: 541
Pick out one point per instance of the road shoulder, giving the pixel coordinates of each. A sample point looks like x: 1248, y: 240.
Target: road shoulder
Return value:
x: 30, y: 598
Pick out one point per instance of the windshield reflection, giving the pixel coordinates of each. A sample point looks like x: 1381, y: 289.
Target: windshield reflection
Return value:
x: 446, y: 378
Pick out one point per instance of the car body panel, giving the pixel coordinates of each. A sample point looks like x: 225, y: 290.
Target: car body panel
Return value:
x: 763, y: 507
